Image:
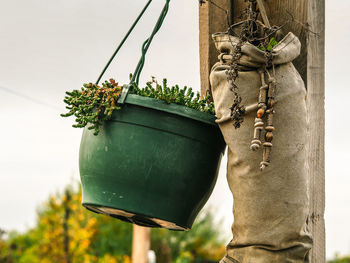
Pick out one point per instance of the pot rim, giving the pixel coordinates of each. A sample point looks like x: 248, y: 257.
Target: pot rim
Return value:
x: 172, y: 108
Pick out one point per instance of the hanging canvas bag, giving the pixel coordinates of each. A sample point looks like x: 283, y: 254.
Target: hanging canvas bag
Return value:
x: 270, y: 206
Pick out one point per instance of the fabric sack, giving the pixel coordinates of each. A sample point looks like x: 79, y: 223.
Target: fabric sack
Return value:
x: 270, y: 206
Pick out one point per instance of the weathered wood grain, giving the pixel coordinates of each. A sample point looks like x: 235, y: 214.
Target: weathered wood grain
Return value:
x: 316, y: 117
x: 211, y: 20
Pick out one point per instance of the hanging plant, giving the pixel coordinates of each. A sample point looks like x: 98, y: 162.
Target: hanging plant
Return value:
x: 94, y: 104
x: 157, y: 154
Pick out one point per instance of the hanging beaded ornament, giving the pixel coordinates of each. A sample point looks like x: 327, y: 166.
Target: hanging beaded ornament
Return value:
x: 266, y: 97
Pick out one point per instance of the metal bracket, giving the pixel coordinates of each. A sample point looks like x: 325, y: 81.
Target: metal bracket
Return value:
x: 124, y: 94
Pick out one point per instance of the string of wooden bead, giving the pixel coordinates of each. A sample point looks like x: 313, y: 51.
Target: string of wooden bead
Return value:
x: 266, y: 111
x: 269, y: 125
x: 262, y: 106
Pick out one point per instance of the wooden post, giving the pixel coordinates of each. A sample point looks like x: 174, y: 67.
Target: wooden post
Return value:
x: 315, y: 105
x: 140, y: 244
x: 211, y: 20
x: 310, y: 65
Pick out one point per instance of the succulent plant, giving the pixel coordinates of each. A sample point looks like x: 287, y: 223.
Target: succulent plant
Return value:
x: 94, y: 104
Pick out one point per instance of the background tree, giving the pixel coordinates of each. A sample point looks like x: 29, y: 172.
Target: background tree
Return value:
x: 201, y: 243
x: 339, y: 259
x: 66, y: 232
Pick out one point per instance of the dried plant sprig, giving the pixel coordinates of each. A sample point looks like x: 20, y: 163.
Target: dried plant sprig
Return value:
x: 255, y: 32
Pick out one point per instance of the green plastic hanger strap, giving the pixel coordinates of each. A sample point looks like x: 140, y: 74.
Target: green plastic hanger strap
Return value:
x: 147, y: 43
x: 136, y: 76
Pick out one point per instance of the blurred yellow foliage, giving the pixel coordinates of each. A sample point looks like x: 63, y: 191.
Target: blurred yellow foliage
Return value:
x: 66, y: 232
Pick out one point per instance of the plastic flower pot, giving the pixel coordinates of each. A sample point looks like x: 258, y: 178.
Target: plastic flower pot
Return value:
x: 153, y: 164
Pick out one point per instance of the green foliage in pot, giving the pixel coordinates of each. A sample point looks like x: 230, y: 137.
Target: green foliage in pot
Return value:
x: 271, y: 44
x: 94, y: 104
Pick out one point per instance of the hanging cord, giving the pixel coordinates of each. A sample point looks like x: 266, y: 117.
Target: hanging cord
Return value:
x: 136, y: 76
x: 123, y: 41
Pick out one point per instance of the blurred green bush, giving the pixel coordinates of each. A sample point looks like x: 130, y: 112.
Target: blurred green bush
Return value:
x: 66, y: 232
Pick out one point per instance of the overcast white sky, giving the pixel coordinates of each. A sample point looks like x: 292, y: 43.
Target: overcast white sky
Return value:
x: 48, y: 47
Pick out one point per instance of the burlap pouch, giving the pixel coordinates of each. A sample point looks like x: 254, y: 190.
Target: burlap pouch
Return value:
x: 270, y: 207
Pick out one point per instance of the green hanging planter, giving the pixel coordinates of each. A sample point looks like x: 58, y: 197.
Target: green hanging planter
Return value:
x: 153, y: 164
